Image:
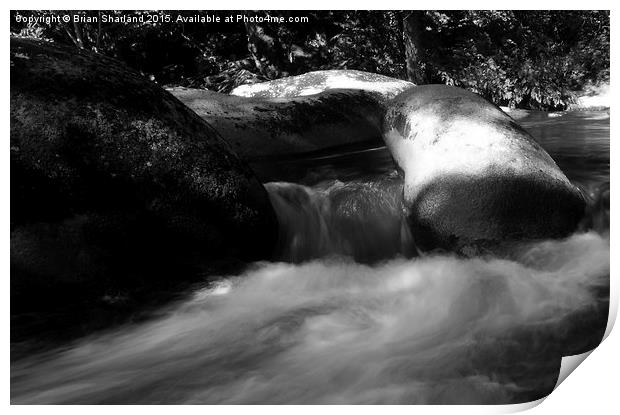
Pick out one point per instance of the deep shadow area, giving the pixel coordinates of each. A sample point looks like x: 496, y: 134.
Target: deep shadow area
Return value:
x: 63, y: 313
x: 456, y: 211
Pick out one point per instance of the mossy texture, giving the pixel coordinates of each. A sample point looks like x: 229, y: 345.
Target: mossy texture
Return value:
x: 105, y: 164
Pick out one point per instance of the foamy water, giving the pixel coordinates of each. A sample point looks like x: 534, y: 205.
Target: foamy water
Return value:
x: 360, y: 218
x: 426, y: 330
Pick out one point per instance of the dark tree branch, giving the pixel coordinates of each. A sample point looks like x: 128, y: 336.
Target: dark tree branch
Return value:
x: 98, y: 31
x: 78, y: 34
x: 412, y: 24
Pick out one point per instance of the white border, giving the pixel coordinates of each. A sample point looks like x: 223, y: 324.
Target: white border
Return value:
x: 591, y: 389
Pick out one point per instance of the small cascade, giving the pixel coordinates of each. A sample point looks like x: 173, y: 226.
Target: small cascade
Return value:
x: 362, y: 219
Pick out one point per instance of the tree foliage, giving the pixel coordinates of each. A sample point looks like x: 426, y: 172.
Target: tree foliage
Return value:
x: 527, y: 59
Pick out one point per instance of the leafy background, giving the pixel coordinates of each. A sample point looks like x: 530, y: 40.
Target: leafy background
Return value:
x: 523, y: 59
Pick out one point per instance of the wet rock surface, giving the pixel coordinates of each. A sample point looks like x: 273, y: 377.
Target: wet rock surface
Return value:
x: 259, y: 128
x: 473, y: 177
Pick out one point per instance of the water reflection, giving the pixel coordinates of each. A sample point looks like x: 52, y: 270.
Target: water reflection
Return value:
x: 578, y: 142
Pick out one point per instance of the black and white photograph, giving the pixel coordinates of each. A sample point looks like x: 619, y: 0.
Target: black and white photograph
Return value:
x: 306, y: 207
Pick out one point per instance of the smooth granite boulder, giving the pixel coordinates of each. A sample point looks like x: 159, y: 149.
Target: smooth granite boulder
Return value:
x: 115, y: 184
x: 318, y: 81
x: 473, y: 177
x: 260, y: 128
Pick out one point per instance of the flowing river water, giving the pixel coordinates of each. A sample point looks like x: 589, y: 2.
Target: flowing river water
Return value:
x: 350, y: 312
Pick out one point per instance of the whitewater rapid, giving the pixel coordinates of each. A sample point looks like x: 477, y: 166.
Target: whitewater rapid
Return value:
x: 432, y: 329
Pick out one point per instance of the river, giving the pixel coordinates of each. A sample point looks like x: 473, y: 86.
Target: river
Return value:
x: 350, y: 312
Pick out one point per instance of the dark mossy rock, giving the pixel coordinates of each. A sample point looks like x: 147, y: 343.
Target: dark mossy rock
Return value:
x: 116, y: 186
x: 474, y: 178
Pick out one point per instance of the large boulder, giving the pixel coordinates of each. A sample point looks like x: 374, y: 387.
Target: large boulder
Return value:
x: 473, y: 177
x: 260, y: 128
x: 314, y: 112
x: 318, y: 81
x: 115, y: 184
